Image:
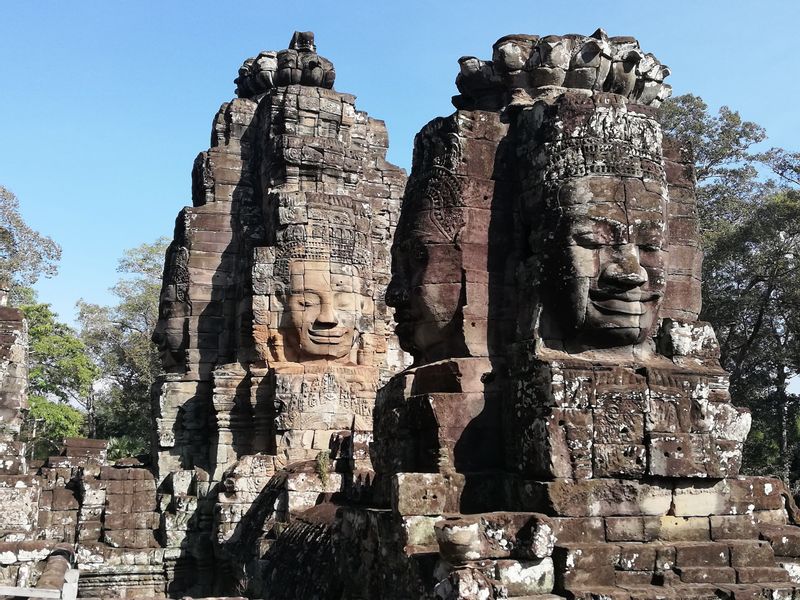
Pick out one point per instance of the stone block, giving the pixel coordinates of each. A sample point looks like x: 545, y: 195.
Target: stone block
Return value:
x: 677, y: 455
x: 732, y: 527
x: 141, y: 520
x: 701, y: 498
x: 526, y: 578
x: 420, y: 534
x: 702, y: 555
x: 792, y: 567
x: 580, y: 565
x: 637, y: 557
x: 751, y: 553
x: 619, y: 460
x: 770, y: 574
x: 625, y: 529
x: 607, y: 497
x: 627, y: 579
x: 578, y: 530
x: 89, y: 531
x: 419, y: 493
x: 784, y: 539
x: 134, y: 539
x: 460, y: 541
x: 707, y: 575
x: 684, y: 529
x: 496, y: 535
x: 64, y: 499
x: 755, y: 494
x: 19, y: 496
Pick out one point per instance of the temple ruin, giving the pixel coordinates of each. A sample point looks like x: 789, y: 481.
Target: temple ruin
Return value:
x: 484, y: 380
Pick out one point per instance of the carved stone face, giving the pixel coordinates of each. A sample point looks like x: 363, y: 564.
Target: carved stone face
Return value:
x: 170, y: 331
x: 425, y: 289
x: 321, y: 310
x: 607, y: 265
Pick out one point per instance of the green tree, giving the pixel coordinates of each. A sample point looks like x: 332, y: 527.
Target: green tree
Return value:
x: 25, y: 254
x: 750, y: 225
x: 752, y: 289
x: 119, y: 339
x: 48, y: 423
x: 60, y: 366
x: 722, y: 145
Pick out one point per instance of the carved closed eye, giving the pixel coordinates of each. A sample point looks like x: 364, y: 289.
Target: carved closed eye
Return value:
x: 307, y: 300
x: 345, y: 301
x: 589, y: 239
x: 650, y: 246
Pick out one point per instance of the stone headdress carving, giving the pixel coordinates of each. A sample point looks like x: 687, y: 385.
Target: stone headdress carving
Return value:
x: 299, y: 64
x: 524, y: 67
x: 331, y: 234
x: 434, y: 185
x: 596, y: 136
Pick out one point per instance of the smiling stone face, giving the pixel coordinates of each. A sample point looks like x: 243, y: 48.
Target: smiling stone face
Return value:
x: 608, y: 257
x: 322, y: 306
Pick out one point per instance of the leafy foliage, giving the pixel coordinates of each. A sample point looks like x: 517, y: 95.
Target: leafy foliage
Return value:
x: 124, y: 446
x: 60, y: 365
x: 25, y: 254
x: 118, y: 338
x: 751, y: 284
x: 48, y: 423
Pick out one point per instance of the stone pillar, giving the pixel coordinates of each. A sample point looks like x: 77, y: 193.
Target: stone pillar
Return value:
x: 13, y: 389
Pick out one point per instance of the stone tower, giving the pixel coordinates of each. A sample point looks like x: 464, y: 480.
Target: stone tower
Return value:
x: 273, y: 329
x: 566, y: 427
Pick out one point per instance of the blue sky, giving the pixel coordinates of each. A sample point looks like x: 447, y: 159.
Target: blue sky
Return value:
x: 105, y: 104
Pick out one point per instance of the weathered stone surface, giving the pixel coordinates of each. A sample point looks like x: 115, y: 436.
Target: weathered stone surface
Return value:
x: 526, y: 578
x: 13, y: 389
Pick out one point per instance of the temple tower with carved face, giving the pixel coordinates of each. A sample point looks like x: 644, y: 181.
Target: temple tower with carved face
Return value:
x: 565, y: 427
x: 273, y: 330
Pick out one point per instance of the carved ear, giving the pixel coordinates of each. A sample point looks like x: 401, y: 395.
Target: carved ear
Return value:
x: 280, y: 293
x: 275, y: 346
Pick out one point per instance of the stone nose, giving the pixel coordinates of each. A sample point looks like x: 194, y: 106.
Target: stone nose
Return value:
x: 625, y: 270
x: 397, y: 294
x: 327, y: 316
